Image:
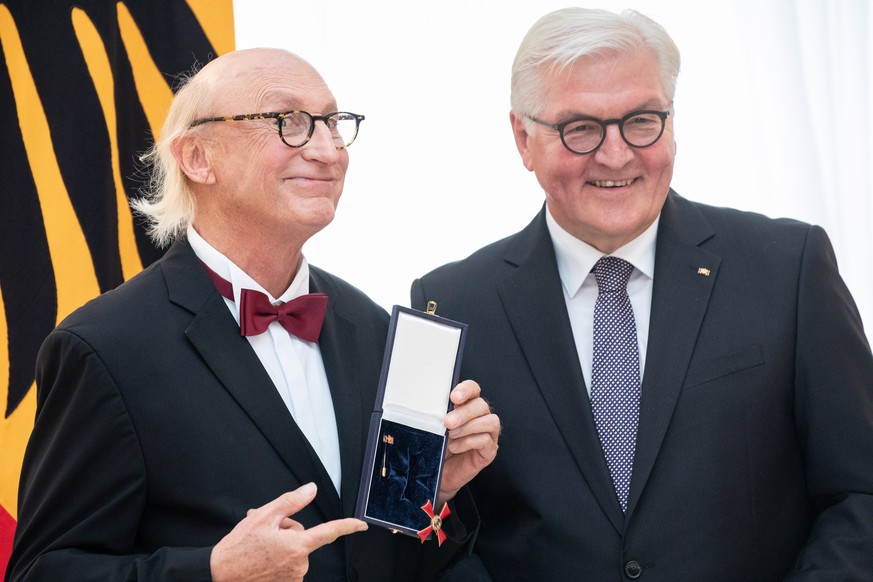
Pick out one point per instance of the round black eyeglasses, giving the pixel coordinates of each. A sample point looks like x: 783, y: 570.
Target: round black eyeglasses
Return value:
x: 583, y: 135
x: 296, y: 127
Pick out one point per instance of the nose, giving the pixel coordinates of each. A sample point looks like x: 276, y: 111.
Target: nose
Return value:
x: 321, y: 146
x: 614, y: 151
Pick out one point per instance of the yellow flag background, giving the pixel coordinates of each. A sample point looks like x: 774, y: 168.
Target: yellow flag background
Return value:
x: 84, y: 85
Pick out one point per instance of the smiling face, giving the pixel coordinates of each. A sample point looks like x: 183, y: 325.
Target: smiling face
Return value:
x: 255, y: 188
x: 610, y: 196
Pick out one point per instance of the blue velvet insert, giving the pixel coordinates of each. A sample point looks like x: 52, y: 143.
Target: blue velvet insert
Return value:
x: 404, y: 475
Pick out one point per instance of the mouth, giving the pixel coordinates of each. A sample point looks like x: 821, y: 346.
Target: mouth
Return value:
x: 310, y: 178
x: 612, y: 183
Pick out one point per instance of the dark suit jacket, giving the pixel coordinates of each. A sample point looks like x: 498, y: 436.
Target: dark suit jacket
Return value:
x: 158, y: 428
x: 754, y: 456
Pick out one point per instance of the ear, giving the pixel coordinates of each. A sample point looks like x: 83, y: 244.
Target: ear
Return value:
x: 190, y: 154
x: 519, y: 130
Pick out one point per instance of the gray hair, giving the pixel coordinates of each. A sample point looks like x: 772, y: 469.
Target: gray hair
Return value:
x: 167, y: 203
x: 561, y: 37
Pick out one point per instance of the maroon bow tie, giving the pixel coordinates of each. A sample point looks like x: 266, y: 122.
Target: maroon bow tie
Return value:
x: 302, y: 316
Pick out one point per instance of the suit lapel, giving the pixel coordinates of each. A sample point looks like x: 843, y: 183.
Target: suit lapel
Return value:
x: 339, y: 352
x: 684, y: 278
x: 530, y: 295
x: 215, y: 335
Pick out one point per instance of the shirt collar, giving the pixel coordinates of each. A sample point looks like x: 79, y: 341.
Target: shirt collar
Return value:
x: 576, y: 258
x: 238, y: 278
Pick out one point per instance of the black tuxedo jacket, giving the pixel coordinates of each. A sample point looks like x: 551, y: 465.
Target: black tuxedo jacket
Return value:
x: 754, y: 456
x: 158, y: 428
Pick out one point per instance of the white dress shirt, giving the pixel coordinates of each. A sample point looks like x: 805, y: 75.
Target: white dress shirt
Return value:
x: 294, y: 365
x: 575, y: 261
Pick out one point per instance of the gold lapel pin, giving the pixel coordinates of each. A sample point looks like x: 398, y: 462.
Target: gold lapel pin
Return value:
x: 703, y: 271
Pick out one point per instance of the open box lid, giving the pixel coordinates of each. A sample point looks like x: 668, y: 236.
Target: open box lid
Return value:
x: 420, y: 369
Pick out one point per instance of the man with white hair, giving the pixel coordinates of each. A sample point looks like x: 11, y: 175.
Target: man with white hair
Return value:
x: 686, y: 391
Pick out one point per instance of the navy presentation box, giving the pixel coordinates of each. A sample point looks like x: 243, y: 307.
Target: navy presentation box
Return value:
x: 407, y: 439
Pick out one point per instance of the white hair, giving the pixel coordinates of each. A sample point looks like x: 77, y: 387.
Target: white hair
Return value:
x: 167, y: 203
x: 561, y: 37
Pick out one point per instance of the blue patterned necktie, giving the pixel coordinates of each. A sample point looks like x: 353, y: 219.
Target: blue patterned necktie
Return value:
x: 615, y: 373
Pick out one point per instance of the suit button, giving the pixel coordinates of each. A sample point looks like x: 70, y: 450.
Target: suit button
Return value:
x: 633, y: 569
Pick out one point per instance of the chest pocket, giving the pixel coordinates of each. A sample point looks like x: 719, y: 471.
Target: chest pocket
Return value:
x: 703, y: 372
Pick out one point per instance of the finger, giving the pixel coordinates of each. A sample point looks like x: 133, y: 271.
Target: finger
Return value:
x: 466, y: 412
x: 482, y: 444
x: 326, y: 533
x: 480, y: 436
x: 488, y: 424
x: 466, y: 390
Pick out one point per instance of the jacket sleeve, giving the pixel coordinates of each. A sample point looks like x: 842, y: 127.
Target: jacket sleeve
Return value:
x: 83, y: 481
x: 834, y: 417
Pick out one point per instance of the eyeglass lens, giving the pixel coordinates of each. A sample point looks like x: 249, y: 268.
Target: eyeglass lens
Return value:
x: 297, y: 127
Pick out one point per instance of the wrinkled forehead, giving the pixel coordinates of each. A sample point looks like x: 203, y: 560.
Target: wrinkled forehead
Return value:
x: 265, y: 80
